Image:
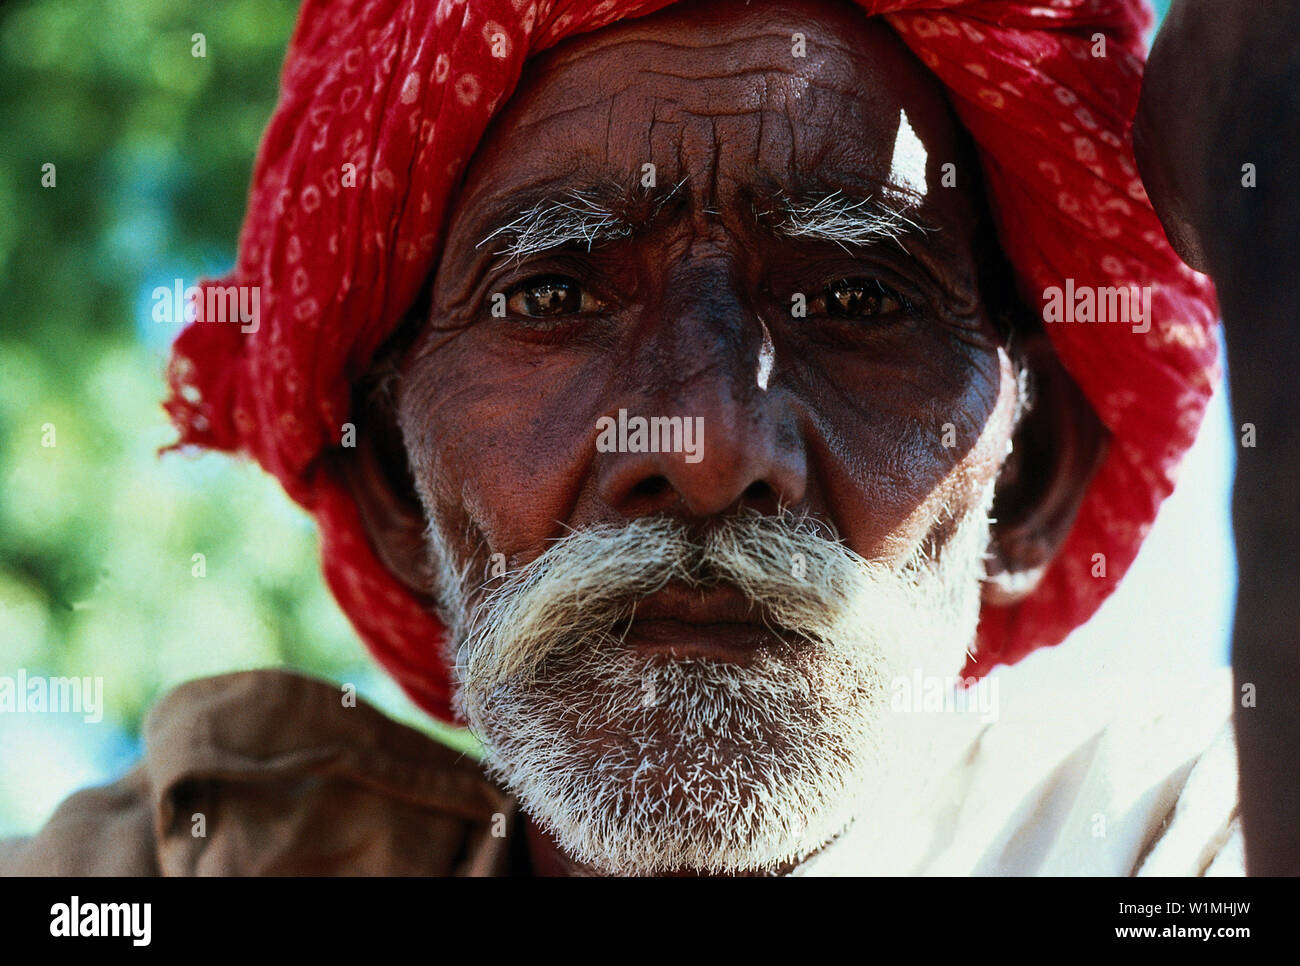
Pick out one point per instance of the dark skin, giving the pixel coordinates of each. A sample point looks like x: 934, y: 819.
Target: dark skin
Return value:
x: 498, y: 416
x: 1222, y: 89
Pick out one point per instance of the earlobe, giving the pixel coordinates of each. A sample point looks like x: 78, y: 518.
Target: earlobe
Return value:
x: 375, y: 471
x: 1056, y: 449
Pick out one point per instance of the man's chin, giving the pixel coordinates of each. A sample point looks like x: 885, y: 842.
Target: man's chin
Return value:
x: 652, y: 765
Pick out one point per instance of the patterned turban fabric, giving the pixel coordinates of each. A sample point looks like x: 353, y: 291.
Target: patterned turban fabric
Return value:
x: 403, y: 90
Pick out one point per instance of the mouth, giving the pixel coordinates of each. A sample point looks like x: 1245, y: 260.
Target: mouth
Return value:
x: 716, y: 623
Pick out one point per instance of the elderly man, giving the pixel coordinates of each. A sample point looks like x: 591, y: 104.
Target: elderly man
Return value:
x: 670, y: 386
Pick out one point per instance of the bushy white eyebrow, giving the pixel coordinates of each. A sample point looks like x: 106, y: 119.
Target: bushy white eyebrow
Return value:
x: 839, y: 218
x: 580, y: 217
x: 577, y: 217
x: 551, y: 223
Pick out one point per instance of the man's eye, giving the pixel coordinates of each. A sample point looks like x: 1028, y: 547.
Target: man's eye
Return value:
x: 548, y: 295
x: 863, y: 298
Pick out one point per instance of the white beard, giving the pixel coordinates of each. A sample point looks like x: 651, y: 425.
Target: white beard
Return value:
x: 639, y: 764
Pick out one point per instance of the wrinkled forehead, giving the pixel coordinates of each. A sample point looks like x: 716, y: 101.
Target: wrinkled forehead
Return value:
x: 729, y: 98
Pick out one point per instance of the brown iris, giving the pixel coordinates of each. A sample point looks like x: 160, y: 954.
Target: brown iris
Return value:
x: 862, y: 298
x: 546, y: 295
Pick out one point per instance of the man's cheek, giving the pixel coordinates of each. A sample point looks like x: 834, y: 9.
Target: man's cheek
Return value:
x: 897, y: 464
x: 511, y: 464
x: 956, y: 420
x: 975, y: 440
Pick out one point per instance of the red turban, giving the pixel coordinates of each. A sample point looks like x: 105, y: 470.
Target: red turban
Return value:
x: 403, y: 90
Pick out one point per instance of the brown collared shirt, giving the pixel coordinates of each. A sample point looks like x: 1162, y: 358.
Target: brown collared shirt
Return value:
x: 267, y: 773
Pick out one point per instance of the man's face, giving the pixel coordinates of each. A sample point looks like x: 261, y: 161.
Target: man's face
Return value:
x: 678, y: 668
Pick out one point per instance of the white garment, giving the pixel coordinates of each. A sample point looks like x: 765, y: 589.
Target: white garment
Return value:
x: 1125, y: 778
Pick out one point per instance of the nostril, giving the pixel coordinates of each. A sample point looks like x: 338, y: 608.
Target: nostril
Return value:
x: 758, y: 492
x: 651, y: 486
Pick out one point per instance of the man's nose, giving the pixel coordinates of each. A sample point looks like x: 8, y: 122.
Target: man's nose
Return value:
x: 740, y: 444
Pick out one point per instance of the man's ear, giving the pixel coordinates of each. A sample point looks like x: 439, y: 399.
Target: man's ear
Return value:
x: 376, y: 472
x: 1056, y: 449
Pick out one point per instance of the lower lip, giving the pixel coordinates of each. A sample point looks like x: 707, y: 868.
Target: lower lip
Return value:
x: 718, y: 642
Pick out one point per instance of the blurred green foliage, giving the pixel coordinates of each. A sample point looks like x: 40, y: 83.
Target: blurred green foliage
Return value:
x: 153, y: 148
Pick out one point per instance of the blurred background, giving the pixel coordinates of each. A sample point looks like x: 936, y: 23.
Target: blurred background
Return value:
x: 152, y: 148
